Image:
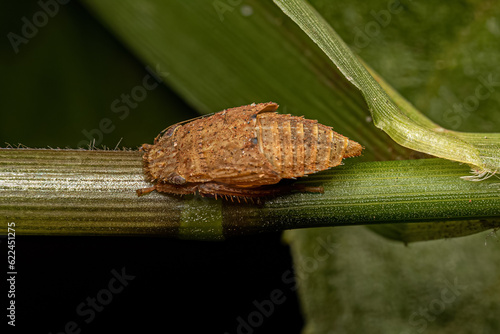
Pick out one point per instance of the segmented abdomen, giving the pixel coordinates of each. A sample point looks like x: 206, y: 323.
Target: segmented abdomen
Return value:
x: 296, y: 146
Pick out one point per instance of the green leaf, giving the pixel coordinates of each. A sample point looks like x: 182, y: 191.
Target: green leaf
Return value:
x: 402, y: 122
x: 352, y: 281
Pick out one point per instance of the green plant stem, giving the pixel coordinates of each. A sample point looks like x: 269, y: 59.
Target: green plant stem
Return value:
x: 79, y: 192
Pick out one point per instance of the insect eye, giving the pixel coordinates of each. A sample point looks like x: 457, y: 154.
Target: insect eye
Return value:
x: 171, y: 130
x: 176, y: 179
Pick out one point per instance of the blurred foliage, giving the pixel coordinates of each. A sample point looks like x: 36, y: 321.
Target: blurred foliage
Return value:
x: 65, y: 79
x: 433, y: 53
x: 390, y: 111
x: 353, y: 281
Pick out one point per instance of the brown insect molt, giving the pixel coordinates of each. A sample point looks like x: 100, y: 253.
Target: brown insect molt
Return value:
x: 242, y: 152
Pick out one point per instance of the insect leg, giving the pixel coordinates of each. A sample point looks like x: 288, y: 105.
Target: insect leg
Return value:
x: 217, y: 189
x: 144, y: 191
x: 184, y: 189
x: 307, y: 189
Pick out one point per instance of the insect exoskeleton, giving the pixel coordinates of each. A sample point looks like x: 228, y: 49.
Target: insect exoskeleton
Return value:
x: 242, y: 152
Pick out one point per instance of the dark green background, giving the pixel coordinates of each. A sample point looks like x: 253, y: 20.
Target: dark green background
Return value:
x: 64, y: 80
